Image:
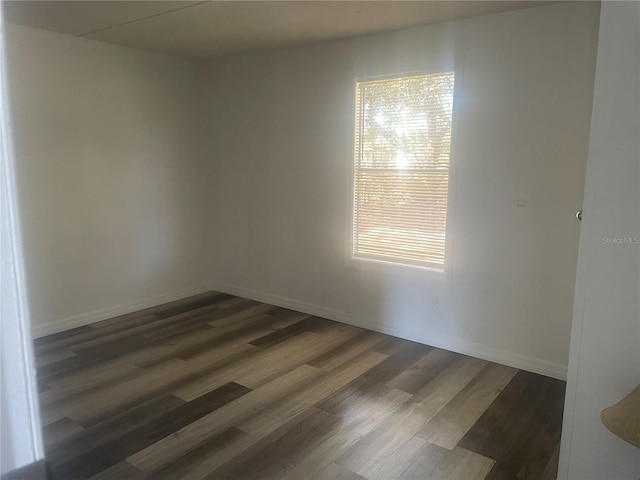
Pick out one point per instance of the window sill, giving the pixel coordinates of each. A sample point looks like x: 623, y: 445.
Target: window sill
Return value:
x: 393, y: 268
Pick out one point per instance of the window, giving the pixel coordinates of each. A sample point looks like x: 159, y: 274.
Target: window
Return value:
x: 402, y: 149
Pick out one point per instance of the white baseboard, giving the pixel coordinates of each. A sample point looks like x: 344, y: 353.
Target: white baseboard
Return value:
x: 98, y: 315
x: 454, y: 344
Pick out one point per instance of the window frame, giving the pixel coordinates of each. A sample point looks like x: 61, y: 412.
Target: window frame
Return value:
x: 391, y: 266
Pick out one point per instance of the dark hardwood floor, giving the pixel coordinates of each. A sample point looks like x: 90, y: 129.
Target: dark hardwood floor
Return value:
x: 219, y: 387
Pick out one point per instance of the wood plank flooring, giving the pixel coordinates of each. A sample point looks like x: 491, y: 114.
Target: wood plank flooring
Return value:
x: 219, y: 387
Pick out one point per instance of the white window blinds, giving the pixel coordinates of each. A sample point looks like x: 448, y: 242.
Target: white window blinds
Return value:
x: 403, y: 140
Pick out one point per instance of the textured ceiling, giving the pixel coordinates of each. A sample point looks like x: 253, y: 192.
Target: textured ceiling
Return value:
x: 216, y: 28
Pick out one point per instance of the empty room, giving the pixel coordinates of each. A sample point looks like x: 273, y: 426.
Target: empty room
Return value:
x: 348, y: 240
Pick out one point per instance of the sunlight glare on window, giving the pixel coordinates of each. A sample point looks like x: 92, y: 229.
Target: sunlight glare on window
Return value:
x: 403, y: 140
x: 401, y: 160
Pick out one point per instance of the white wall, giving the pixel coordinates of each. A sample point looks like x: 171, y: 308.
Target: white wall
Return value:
x: 117, y: 202
x: 280, y: 170
x: 20, y: 433
x: 604, y: 363
x: 108, y: 146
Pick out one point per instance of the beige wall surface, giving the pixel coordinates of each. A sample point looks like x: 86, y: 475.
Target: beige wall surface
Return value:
x: 281, y: 152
